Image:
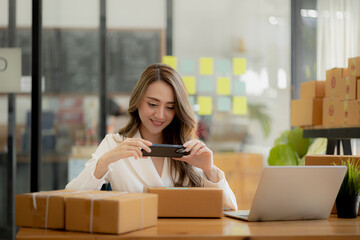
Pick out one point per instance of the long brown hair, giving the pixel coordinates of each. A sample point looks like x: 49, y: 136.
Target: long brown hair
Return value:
x: 181, y: 129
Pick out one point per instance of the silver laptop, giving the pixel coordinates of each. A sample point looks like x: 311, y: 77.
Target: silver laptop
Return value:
x: 294, y: 193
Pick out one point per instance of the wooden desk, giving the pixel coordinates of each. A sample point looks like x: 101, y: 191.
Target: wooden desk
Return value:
x: 224, y: 228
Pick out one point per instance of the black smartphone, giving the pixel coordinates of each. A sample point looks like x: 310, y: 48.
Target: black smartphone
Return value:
x: 166, y: 150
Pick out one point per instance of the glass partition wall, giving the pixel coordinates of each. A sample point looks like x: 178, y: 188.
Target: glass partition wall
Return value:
x: 237, y: 111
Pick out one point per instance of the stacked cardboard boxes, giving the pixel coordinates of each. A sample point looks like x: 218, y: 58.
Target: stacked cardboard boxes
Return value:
x: 307, y: 111
x: 88, y: 211
x: 340, y: 103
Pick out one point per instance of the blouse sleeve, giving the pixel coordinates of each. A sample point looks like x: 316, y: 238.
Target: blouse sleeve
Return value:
x: 86, y: 179
x: 228, y: 195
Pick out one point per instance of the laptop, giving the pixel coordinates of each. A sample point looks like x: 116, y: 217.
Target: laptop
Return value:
x: 294, y: 193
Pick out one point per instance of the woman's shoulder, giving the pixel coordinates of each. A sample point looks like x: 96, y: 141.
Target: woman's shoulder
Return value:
x: 114, y: 137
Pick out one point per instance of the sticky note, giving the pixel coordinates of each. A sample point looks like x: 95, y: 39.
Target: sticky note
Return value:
x: 187, y: 66
x: 223, y: 66
x: 239, y: 105
x: 205, y: 104
x: 190, y: 84
x: 238, y: 87
x: 171, y: 61
x: 205, y: 84
x: 223, y: 104
x: 206, y: 66
x: 239, y: 66
x: 223, y: 86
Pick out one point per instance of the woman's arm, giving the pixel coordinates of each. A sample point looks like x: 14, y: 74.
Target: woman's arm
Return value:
x: 201, y: 157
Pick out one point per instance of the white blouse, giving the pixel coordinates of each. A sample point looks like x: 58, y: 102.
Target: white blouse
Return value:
x: 133, y: 175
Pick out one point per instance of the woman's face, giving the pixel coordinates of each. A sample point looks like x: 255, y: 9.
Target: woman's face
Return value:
x: 156, y: 109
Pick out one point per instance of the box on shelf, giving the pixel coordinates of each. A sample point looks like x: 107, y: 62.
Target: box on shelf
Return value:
x: 189, y: 202
x: 306, y: 112
x: 331, y: 111
x: 349, y: 112
x: 111, y: 212
x: 41, y: 209
x: 312, y: 89
x: 333, y: 78
x: 348, y: 88
x: 354, y: 66
x: 319, y: 160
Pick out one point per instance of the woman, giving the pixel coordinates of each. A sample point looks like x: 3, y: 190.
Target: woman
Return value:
x: 160, y: 113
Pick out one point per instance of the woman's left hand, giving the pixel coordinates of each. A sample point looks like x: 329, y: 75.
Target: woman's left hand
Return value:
x: 200, y: 156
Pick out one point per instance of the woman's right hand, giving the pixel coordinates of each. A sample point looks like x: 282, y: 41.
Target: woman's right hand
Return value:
x: 130, y: 147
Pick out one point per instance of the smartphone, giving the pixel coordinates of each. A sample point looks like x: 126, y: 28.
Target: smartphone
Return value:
x: 166, y: 150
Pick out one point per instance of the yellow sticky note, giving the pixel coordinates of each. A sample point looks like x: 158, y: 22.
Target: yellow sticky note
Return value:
x: 223, y: 86
x: 190, y: 84
x: 240, y: 105
x: 206, y: 66
x: 239, y: 66
x: 205, y: 104
x: 171, y: 61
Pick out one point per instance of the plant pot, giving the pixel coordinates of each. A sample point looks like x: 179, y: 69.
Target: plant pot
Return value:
x: 347, y: 206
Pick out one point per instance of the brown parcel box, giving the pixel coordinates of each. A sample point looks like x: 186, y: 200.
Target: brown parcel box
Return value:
x: 358, y: 89
x: 354, y: 66
x: 331, y: 111
x: 306, y: 112
x: 111, y: 212
x: 317, y: 160
x: 189, y: 202
x: 41, y: 209
x: 333, y: 78
x: 348, y: 88
x: 349, y: 113
x: 312, y: 89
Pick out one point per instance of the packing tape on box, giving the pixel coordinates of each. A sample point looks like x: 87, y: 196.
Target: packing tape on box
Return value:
x: 48, y: 195
x: 111, y: 194
x: 98, y: 196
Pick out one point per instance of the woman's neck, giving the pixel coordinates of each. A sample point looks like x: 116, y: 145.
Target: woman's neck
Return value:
x: 155, y: 139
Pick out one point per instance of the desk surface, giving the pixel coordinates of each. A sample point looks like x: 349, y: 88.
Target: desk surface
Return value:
x: 224, y: 228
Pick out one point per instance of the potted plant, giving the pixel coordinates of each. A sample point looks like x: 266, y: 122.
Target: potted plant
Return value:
x: 347, y: 200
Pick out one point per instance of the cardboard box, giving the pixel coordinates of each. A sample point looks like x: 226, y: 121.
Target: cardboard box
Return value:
x: 306, y: 112
x: 111, y: 212
x: 358, y: 89
x: 354, y: 66
x: 320, y: 160
x: 41, y: 209
x: 348, y: 88
x: 333, y: 78
x: 312, y: 89
x: 331, y: 111
x: 189, y: 202
x: 349, y: 112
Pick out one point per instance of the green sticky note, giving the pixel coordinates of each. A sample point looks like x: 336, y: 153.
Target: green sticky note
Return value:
x: 187, y: 66
x: 239, y: 66
x: 171, y: 61
x: 206, y: 66
x: 239, y: 105
x: 223, y: 104
x: 190, y: 84
x: 205, y: 84
x: 238, y: 87
x: 223, y: 86
x: 205, y: 105
x: 223, y: 66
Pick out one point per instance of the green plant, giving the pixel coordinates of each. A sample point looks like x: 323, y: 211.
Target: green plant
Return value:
x: 290, y: 148
x: 350, y: 185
